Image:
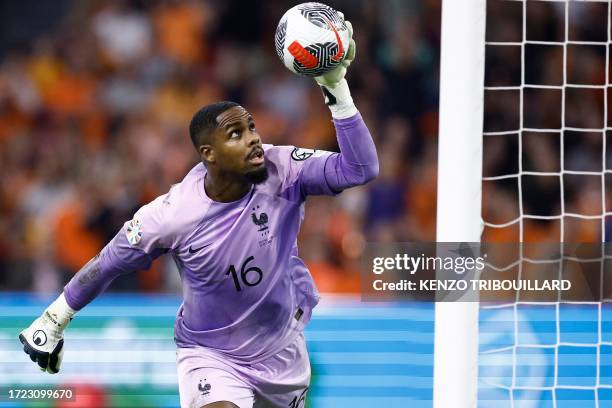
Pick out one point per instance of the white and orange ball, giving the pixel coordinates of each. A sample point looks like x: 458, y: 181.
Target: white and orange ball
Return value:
x: 312, y: 39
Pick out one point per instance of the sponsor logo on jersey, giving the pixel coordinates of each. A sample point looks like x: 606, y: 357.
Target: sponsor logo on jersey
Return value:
x: 193, y: 250
x: 133, y: 231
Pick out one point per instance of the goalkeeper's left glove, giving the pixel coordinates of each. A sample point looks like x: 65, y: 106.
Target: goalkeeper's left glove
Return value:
x: 43, y: 341
x: 334, y: 86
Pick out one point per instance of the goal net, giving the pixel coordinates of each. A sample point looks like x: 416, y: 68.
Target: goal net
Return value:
x: 523, y: 157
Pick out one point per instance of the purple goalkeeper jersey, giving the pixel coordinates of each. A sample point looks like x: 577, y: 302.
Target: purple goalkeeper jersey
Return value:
x: 246, y: 293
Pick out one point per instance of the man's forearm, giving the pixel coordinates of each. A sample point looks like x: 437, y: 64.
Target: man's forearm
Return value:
x: 115, y: 259
x: 357, y: 162
x: 89, y: 282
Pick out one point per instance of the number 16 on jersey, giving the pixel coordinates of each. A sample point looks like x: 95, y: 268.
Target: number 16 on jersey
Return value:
x: 250, y: 276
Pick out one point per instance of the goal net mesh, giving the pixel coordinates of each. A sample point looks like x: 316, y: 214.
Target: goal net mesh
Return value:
x: 547, y: 178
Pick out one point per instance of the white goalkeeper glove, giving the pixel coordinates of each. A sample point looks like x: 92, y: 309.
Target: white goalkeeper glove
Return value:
x: 334, y: 86
x: 43, y: 341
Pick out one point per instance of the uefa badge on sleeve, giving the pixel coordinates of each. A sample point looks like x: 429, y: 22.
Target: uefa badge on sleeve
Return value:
x: 133, y: 231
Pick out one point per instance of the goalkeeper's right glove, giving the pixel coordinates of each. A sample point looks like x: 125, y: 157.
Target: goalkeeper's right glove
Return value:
x: 43, y: 341
x: 334, y: 86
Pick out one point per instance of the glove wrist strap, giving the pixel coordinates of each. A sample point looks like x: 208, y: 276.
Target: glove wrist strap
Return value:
x: 339, y: 100
x: 59, y: 313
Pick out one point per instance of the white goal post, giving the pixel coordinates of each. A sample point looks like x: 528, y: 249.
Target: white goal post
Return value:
x: 459, y: 191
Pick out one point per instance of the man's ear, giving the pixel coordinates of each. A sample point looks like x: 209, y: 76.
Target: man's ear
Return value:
x: 207, y: 153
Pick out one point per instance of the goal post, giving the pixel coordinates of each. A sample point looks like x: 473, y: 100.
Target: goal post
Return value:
x: 459, y: 191
x: 533, y: 126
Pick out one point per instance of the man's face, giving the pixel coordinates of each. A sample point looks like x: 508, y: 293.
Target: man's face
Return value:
x: 235, y: 148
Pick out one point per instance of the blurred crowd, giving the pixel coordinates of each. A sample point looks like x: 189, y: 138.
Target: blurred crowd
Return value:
x: 571, y: 207
x: 95, y: 101
x: 96, y: 97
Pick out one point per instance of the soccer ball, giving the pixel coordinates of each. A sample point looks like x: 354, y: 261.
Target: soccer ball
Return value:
x: 311, y: 39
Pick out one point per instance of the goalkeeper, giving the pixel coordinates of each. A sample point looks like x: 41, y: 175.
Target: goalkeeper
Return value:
x: 231, y: 225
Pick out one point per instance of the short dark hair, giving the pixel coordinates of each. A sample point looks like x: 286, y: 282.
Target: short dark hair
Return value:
x: 205, y: 120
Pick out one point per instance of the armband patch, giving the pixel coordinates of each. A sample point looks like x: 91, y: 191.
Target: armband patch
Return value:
x: 133, y: 231
x: 299, y: 154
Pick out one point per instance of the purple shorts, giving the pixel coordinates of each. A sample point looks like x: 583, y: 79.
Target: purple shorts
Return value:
x: 280, y: 381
